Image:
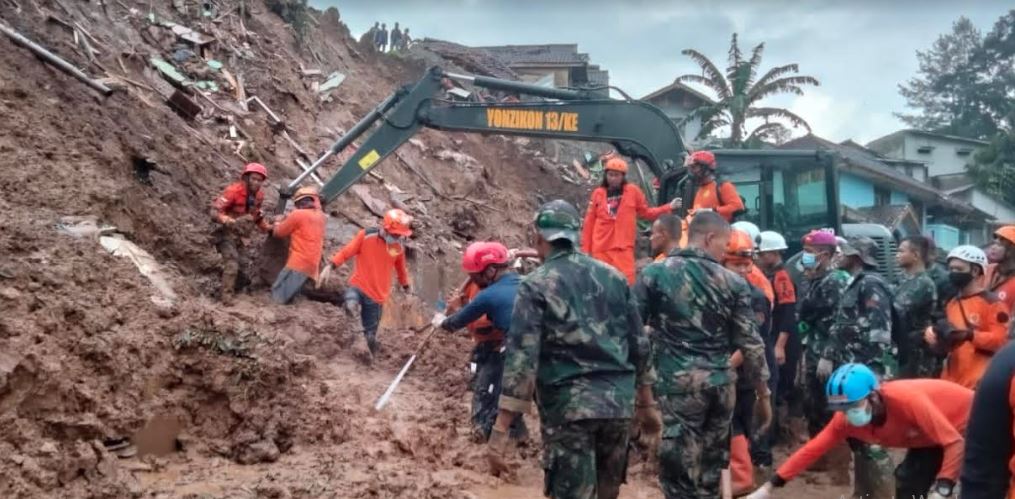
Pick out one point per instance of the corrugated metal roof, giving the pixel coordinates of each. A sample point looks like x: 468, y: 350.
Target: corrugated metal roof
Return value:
x: 560, y: 53
x: 678, y: 87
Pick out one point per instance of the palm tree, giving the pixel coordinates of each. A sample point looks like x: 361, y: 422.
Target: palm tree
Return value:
x: 739, y: 92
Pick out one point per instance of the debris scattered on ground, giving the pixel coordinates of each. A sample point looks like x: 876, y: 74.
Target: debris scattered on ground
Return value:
x: 144, y: 261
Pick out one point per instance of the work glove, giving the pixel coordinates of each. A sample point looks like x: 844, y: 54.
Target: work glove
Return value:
x: 825, y: 367
x: 649, y: 421
x: 677, y: 203
x: 323, y: 278
x: 496, y: 452
x: 438, y: 319
x: 763, y: 492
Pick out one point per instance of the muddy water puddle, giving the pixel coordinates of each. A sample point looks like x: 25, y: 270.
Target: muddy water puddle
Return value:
x: 158, y: 437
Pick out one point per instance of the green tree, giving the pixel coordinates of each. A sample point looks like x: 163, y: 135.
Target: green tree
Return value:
x: 994, y: 167
x: 739, y: 92
x: 945, y: 90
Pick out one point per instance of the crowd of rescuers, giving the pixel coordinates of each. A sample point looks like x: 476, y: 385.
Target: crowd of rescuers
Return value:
x: 696, y: 356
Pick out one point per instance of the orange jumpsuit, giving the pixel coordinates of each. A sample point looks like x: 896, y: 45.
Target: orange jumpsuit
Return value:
x: 1004, y: 287
x: 988, y: 319
x: 481, y: 329
x: 609, y: 237
x: 721, y: 198
x: 305, y: 229
x: 920, y: 413
x: 375, y: 260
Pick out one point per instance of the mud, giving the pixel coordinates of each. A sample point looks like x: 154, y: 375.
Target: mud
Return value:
x: 253, y: 399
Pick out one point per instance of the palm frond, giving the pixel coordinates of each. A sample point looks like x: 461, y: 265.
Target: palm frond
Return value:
x: 776, y: 72
x: 756, y: 61
x: 710, y: 71
x: 765, y: 131
x: 790, y: 84
x: 777, y: 112
x: 735, y: 56
x: 717, y: 87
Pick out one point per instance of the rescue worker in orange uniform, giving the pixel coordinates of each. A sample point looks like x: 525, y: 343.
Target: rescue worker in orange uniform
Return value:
x: 378, y: 252
x: 739, y: 259
x: 755, y: 276
x: 304, y: 227
x: 988, y: 471
x: 1001, y: 275
x: 665, y: 236
x: 611, y: 222
x: 925, y: 416
x: 976, y: 323
x: 237, y: 210
x: 704, y: 191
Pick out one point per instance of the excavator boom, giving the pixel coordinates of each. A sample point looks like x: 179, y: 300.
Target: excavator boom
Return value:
x: 636, y: 129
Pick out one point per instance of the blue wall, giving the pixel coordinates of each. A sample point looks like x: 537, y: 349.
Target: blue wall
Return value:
x: 855, y: 192
x: 899, y: 198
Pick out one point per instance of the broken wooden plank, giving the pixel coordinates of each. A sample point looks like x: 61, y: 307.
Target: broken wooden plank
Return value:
x: 53, y: 59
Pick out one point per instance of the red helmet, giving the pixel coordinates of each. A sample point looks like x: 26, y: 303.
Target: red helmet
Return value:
x: 705, y: 158
x: 257, y: 168
x: 481, y: 254
x: 397, y: 222
x: 616, y: 164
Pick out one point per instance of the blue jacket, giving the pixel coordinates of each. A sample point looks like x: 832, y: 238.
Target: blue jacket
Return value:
x: 496, y: 301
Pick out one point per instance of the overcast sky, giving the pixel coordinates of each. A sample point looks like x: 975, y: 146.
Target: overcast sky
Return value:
x: 859, y: 50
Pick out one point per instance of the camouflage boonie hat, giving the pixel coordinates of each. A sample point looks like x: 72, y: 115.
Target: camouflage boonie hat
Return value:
x: 558, y: 219
x: 863, y: 247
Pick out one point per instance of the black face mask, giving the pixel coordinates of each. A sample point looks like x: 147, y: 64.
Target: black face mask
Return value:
x: 960, y: 279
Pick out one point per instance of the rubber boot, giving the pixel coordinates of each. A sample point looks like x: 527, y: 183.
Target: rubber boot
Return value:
x: 873, y: 476
x: 741, y: 469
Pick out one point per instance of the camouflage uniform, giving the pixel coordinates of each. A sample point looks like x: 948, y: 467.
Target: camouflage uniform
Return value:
x: 817, y: 309
x: 700, y: 312
x: 577, y: 344
x: 914, y: 303
x: 862, y: 328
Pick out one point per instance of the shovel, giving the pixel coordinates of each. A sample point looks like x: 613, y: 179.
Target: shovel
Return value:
x: 381, y: 402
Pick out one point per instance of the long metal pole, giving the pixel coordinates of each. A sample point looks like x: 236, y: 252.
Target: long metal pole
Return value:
x: 353, y: 134
x: 53, y: 59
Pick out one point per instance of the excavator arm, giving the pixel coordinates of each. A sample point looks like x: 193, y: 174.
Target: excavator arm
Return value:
x: 636, y: 129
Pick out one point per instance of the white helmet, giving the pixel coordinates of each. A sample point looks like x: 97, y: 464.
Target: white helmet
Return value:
x: 971, y: 254
x: 771, y: 241
x: 751, y: 230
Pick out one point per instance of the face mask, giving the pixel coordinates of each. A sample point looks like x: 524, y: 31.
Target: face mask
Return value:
x: 808, y: 260
x: 859, y: 416
x: 960, y: 279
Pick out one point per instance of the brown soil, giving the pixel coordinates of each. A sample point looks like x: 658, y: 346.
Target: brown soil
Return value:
x: 254, y: 399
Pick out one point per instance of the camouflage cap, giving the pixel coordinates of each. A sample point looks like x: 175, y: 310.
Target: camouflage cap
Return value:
x: 863, y: 247
x: 558, y: 219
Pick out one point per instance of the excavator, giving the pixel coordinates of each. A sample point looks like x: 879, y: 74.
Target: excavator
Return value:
x: 789, y: 191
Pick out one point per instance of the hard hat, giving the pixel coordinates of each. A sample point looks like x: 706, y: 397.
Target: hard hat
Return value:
x: 751, y: 229
x: 863, y: 247
x: 740, y: 245
x: 616, y: 164
x: 305, y: 192
x: 255, y: 168
x: 818, y: 237
x: 969, y: 253
x: 771, y: 241
x: 397, y: 222
x: 705, y: 158
x: 558, y: 219
x: 1007, y: 233
x: 481, y: 254
x: 850, y: 384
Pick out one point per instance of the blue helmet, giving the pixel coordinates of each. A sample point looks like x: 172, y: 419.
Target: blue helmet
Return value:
x: 849, y: 384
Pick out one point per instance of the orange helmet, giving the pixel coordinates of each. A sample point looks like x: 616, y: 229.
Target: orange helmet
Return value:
x: 305, y: 192
x: 616, y: 164
x: 741, y: 246
x: 1007, y: 233
x: 255, y: 168
x: 397, y: 222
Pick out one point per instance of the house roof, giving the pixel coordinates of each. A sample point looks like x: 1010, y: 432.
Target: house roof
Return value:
x: 473, y: 60
x: 892, y: 137
x: 891, y: 216
x: 678, y: 86
x: 867, y: 164
x: 953, y: 182
x: 598, y: 76
x: 562, y: 54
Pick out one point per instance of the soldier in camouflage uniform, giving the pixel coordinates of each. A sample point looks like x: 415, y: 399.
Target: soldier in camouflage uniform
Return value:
x: 699, y: 312
x: 862, y: 333
x: 824, y: 286
x: 914, y: 303
x: 578, y: 345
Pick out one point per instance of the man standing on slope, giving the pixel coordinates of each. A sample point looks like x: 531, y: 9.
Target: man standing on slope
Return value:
x: 304, y: 227
x: 611, y: 221
x: 577, y: 345
x: 237, y: 210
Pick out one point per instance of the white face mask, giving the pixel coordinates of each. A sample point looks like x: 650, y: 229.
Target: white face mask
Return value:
x: 859, y: 416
